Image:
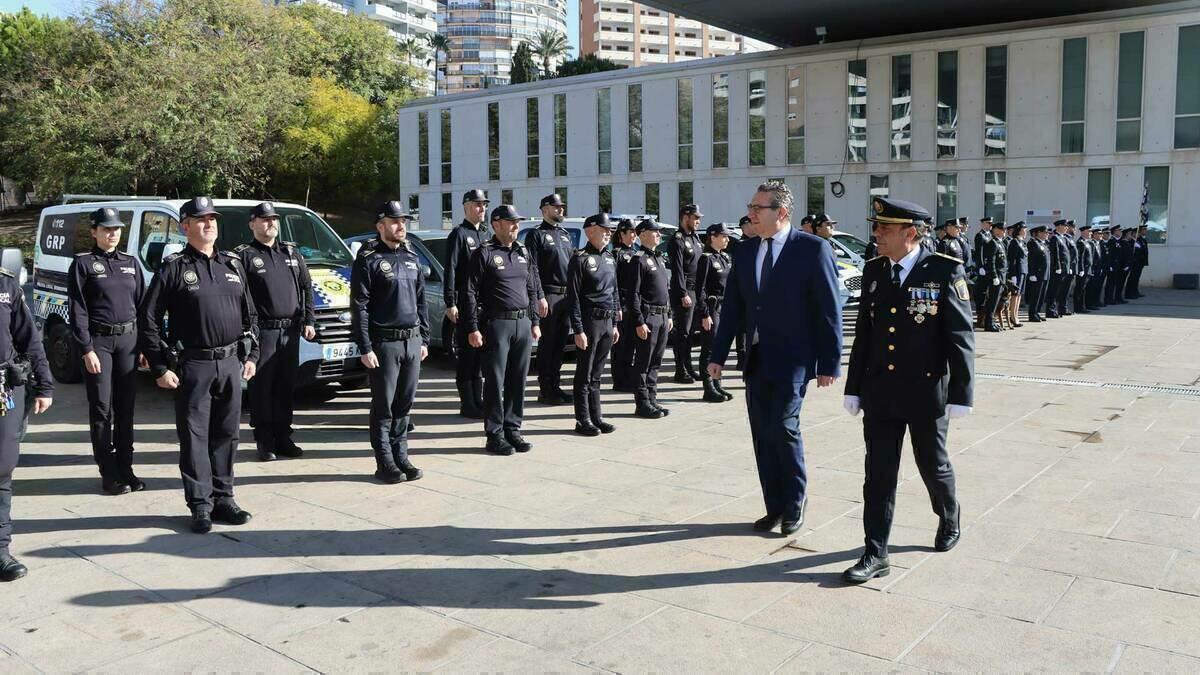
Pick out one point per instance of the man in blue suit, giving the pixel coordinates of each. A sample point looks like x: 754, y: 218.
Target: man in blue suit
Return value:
x: 782, y: 296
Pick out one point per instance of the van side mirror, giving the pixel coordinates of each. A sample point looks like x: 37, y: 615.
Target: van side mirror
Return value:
x: 171, y: 249
x: 13, y: 261
x: 427, y: 271
x: 355, y: 246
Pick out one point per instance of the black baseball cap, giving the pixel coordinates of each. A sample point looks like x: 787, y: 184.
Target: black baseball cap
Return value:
x: 264, y: 210
x: 718, y: 228
x: 475, y: 196
x: 392, y: 209
x: 985, y: 219
x: 626, y: 225
x: 690, y: 210
x: 1085, y: 226
x: 1060, y: 221
x: 823, y: 218
x: 552, y: 200
x: 1038, y: 228
x: 648, y: 224
x: 505, y: 212
x: 106, y: 217
x: 744, y: 220
x: 805, y: 220
x: 599, y: 220
x: 196, y: 207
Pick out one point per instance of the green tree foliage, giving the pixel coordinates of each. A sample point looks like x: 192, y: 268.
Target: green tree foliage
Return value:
x: 549, y: 45
x: 589, y: 63
x: 524, y: 68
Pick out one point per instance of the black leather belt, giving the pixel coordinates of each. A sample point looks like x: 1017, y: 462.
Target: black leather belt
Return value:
x: 509, y: 314
x: 598, y: 313
x: 392, y: 334
x: 214, y: 354
x: 656, y: 309
x: 276, y: 323
x: 114, y: 328
x: 556, y: 290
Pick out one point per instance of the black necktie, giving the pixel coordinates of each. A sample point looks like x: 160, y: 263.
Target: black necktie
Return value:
x: 765, y: 274
x: 896, y: 275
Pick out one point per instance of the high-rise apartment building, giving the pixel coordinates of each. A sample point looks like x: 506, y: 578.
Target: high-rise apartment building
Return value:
x: 484, y: 34
x: 632, y: 34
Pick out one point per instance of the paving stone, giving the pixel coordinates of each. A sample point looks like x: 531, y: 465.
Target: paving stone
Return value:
x: 1094, y: 557
x: 214, y: 650
x: 1183, y: 576
x: 987, y: 586
x: 1142, y: 616
x: 1001, y: 644
x: 1141, y: 660
x: 819, y: 658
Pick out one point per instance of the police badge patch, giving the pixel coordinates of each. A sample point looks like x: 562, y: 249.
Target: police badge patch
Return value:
x: 499, y: 261
x: 470, y: 241
x: 257, y: 262
x: 960, y: 287
x: 591, y: 263
x: 385, y: 266
x: 190, y: 277
x: 97, y: 268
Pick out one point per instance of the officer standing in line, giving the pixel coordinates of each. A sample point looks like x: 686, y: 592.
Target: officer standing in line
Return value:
x: 982, y: 281
x: 953, y: 244
x: 593, y: 306
x: 911, y: 369
x: 24, y: 366
x: 1059, y: 276
x: 390, y: 325
x: 622, y: 351
x: 551, y: 248
x: 283, y: 300
x: 1094, y: 295
x: 500, y: 307
x: 928, y: 243
x: 650, y: 314
x: 104, y: 288
x: 213, y: 319
x: 463, y: 241
x: 1141, y: 260
x: 1125, y: 257
x: 1039, y: 269
x: 711, y: 276
x: 1106, y: 266
x: 1083, y: 268
x: 1017, y: 258
x: 992, y: 267
x: 806, y: 224
x: 823, y: 226
x: 683, y: 255
x: 1113, y: 289
x: 1065, y: 290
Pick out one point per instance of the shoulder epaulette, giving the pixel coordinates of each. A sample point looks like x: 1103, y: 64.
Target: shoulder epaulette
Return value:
x: 4, y: 272
x: 173, y: 257
x: 290, y: 244
x: 82, y: 253
x: 229, y: 254
x: 240, y: 247
x: 950, y: 257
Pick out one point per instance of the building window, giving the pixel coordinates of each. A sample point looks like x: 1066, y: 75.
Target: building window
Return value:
x: 635, y: 128
x: 879, y: 188
x: 651, y: 204
x: 995, y: 194
x: 720, y: 121
x: 1099, y: 195
x: 604, y: 129
x: 758, y: 117
x: 816, y: 194
x: 1131, y: 56
x: 683, y: 106
x: 947, y: 106
x: 506, y: 196
x: 606, y: 205
x: 685, y: 193
x: 493, y: 112
x: 533, y: 164
x: 423, y: 148
x: 902, y: 106
x: 561, y: 191
x: 560, y: 134
x: 414, y: 205
x: 947, y: 196
x: 1074, y: 94
x: 856, y: 107
x: 1187, y: 90
x: 447, y: 210
x: 446, y: 145
x: 795, y: 115
x: 995, y: 104
x: 1158, y: 185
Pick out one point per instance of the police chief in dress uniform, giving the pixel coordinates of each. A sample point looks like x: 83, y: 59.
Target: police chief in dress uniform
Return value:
x: 463, y: 241
x: 283, y: 300
x: 992, y: 266
x: 500, y: 307
x: 650, y: 316
x: 390, y: 325
x: 24, y: 366
x: 1039, y: 269
x: 1083, y: 268
x: 911, y: 369
x: 593, y: 304
x: 683, y: 256
x: 550, y: 248
x: 214, y: 324
x: 1059, y: 271
x: 1017, y: 258
x: 622, y: 352
x: 104, y: 289
x: 711, y: 276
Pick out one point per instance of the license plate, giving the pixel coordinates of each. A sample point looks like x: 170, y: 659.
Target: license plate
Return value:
x: 339, y: 352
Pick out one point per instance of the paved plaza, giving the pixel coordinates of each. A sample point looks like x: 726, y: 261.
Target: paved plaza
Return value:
x: 1079, y: 474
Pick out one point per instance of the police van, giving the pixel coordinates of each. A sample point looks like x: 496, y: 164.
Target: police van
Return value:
x: 152, y: 233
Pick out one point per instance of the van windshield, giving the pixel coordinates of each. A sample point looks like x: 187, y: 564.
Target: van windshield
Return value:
x: 315, y: 240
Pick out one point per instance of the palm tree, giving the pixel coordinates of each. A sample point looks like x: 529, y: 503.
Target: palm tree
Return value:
x: 549, y: 45
x: 440, y: 44
x: 414, y: 48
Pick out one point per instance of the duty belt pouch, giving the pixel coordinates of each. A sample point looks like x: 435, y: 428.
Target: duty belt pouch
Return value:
x: 18, y: 371
x: 245, y: 345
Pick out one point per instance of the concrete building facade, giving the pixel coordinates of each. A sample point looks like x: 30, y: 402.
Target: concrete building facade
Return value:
x: 1094, y: 115
x: 484, y: 34
x: 632, y: 34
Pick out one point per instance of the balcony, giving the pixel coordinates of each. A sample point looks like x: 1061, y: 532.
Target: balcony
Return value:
x: 613, y: 17
x: 648, y: 20
x: 689, y: 43
x: 653, y: 40
x: 654, y: 58
x: 614, y: 36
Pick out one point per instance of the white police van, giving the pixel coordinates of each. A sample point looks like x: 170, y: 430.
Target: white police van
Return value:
x: 152, y: 233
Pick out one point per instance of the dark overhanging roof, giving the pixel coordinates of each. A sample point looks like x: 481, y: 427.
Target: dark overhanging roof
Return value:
x: 793, y: 23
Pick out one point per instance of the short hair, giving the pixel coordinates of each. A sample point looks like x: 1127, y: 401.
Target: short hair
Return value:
x: 781, y: 194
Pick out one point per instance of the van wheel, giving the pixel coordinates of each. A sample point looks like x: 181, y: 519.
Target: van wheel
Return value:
x: 63, y: 354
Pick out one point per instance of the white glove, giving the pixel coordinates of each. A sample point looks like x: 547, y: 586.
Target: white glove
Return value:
x: 995, y: 282
x: 982, y: 271
x: 850, y: 403
x: 1032, y: 278
x: 1012, y: 280
x: 954, y: 411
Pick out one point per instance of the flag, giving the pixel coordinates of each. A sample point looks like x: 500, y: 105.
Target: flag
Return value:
x: 1145, y: 212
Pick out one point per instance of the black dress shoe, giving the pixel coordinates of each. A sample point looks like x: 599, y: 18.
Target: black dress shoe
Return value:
x: 868, y: 567
x: 290, y: 450
x: 135, y: 484
x: 648, y: 412
x: 604, y: 427
x: 766, y: 523
x: 265, y: 455
x: 230, y: 514
x: 792, y: 523
x: 10, y: 568
x: 517, y: 441
x: 409, y: 429
x: 551, y: 399
x: 563, y: 397
x: 948, y: 534
x: 586, y: 429
x: 114, y: 486
x: 496, y: 445
x: 201, y: 522
x: 684, y: 378
x: 660, y: 408
x: 411, y: 472
x: 993, y: 328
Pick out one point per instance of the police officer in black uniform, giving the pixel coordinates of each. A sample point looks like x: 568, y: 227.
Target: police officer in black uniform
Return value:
x: 1112, y: 282
x: 24, y: 366
x: 992, y: 268
x: 592, y: 300
x: 822, y: 226
x: 1126, y: 248
x: 622, y: 351
x: 1059, y: 271
x: 1141, y: 260
x: 104, y: 288
x: 650, y: 315
x: 460, y: 244
x: 711, y: 276
x: 215, y: 328
x: 1065, y: 289
x: 983, y: 281
x: 1095, y: 286
x: 551, y: 249
x: 500, y: 309
x: 806, y: 224
x: 911, y: 369
x: 683, y: 255
x: 954, y: 245
x: 1083, y: 268
x: 283, y: 300
x: 1017, y: 260
x: 1039, y: 269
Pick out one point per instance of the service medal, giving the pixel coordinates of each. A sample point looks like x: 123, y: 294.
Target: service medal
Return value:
x: 920, y: 318
x: 921, y: 308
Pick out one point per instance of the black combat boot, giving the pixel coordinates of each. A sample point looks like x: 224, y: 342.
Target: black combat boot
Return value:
x: 386, y: 469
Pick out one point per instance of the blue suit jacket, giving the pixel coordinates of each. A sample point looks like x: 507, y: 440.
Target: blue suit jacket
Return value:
x: 798, y: 317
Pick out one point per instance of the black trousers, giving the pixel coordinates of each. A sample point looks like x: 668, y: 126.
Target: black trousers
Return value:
x: 1062, y: 292
x: 773, y: 407
x: 1114, y: 292
x: 208, y: 406
x: 507, y: 344
x: 10, y: 448
x: 111, y: 395
x: 468, y: 366
x: 1095, y: 290
x: 393, y: 388
x: 648, y: 359
x: 706, y: 338
x: 1035, y: 296
x: 884, y: 439
x: 589, y: 368
x: 622, y: 353
x: 555, y: 329
x: 681, y: 333
x: 983, y: 286
x: 994, y: 292
x: 1080, y: 294
x: 271, y: 400
x: 1133, y: 286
